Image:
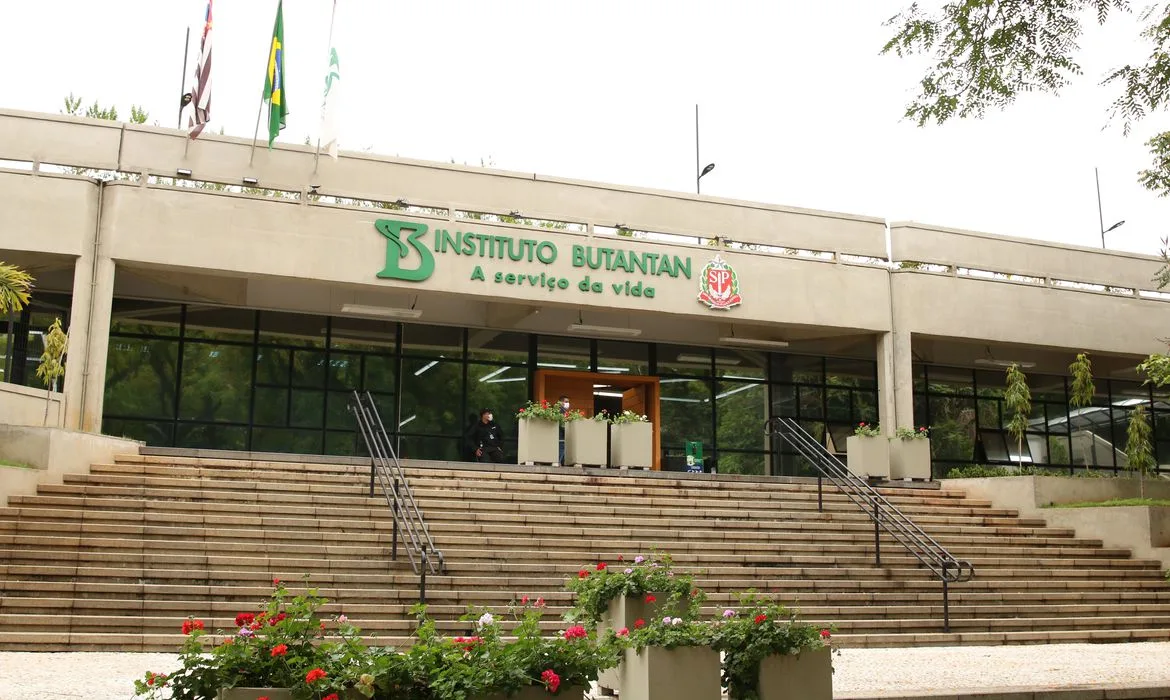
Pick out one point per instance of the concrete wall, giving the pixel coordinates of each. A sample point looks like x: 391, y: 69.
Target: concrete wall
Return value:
x: 52, y: 453
x: 1143, y: 529
x: 22, y: 405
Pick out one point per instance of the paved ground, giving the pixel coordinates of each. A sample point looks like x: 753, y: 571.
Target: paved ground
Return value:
x: 859, y: 672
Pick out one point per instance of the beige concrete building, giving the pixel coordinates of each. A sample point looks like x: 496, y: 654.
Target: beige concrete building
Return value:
x: 215, y: 302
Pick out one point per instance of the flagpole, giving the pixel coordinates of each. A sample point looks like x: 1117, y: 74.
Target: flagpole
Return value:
x: 332, y: 17
x: 183, y: 81
x: 260, y: 111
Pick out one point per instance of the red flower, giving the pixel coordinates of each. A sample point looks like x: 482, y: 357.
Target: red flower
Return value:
x: 650, y: 598
x: 761, y: 618
x: 522, y: 410
x: 601, y: 566
x: 524, y: 600
x: 314, y: 675
x: 276, y: 620
x: 621, y: 558
x: 551, y: 680
x: 275, y: 581
x: 639, y: 623
x: 825, y: 634
x: 256, y: 625
x: 582, y: 573
x: 576, y: 632
x: 244, y: 619
x: 279, y: 650
x: 262, y: 697
x: 540, y: 602
x: 190, y: 626
x: 152, y: 678
x: 543, y: 403
x: 330, y: 696
x: 623, y: 632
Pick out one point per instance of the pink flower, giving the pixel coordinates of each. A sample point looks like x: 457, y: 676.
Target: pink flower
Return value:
x: 639, y: 559
x: 628, y: 572
x: 666, y: 620
x: 576, y: 632
x: 342, y: 618
x: 524, y: 600
x: 550, y: 680
x: 623, y: 632
x: 540, y: 602
x: 729, y: 613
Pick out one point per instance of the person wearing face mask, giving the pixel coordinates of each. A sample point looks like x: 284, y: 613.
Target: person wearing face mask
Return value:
x: 488, y: 439
x: 563, y: 404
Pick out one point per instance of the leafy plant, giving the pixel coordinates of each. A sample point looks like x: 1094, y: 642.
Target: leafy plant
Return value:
x: 1017, y: 398
x: 15, y: 286
x: 51, y: 367
x: 1082, y: 390
x: 670, y: 632
x: 867, y: 430
x: 601, y: 416
x: 541, y: 410
x: 628, y: 416
x: 759, y: 629
x: 908, y: 434
x: 1138, y: 452
x: 597, y: 585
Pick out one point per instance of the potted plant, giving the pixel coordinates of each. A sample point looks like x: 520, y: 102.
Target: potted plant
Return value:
x: 910, y: 454
x: 868, y: 452
x: 538, y: 433
x: 670, y: 658
x: 769, y: 655
x: 586, y: 439
x: 631, y: 441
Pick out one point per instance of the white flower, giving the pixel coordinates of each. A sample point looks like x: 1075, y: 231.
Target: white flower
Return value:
x: 645, y: 417
x: 666, y: 620
x: 676, y: 621
x: 486, y: 619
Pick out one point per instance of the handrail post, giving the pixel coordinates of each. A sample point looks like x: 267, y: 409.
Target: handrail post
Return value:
x: 946, y: 604
x: 394, y: 511
x: 372, y: 467
x: 877, y: 540
x: 820, y: 493
x: 422, y: 579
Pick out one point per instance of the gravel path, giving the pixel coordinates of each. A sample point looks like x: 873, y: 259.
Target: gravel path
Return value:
x: 859, y: 672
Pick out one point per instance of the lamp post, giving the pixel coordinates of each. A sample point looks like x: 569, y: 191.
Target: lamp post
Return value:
x: 1100, y: 215
x: 710, y: 166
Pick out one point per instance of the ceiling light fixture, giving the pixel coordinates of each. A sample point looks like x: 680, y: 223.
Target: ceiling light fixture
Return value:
x: 1004, y: 363
x: 380, y: 311
x: 604, y: 330
x: 753, y: 342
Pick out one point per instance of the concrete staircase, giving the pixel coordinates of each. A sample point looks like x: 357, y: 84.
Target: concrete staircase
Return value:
x: 117, y: 558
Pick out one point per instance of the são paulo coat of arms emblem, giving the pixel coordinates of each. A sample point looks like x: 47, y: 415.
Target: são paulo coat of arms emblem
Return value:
x: 719, y: 285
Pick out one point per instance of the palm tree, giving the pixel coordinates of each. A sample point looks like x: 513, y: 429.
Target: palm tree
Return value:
x: 15, y: 285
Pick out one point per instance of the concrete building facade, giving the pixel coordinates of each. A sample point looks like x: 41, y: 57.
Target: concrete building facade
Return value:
x: 218, y: 299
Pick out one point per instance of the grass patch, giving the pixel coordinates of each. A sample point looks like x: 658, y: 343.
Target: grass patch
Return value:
x: 1116, y: 502
x: 985, y: 471
x: 20, y: 465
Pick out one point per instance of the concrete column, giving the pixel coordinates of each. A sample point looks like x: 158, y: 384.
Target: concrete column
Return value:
x: 895, y: 382
x: 89, y: 340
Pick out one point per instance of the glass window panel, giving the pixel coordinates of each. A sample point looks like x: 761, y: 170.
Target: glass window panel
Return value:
x: 1058, y: 450
x: 219, y: 323
x: 441, y: 449
x: 3, y: 350
x: 741, y: 409
x: 386, y: 405
x: 952, y: 427
x: 343, y: 444
x: 432, y: 341
x: 308, y: 368
x: 140, y: 377
x: 686, y: 412
x: 811, y: 401
x: 345, y: 371
x: 367, y: 335
x: 154, y: 433
x: 380, y: 371
x: 745, y: 371
x: 337, y: 413
x: 840, y: 404
x: 989, y: 383
x: 838, y: 435
x: 145, y: 317
x: 431, y: 394
x: 272, y: 366
x: 784, y: 401
x: 949, y: 380
x: 921, y: 415
x: 801, y: 369
x: 286, y: 440
x: 497, y: 347
x: 556, y: 352
x: 989, y: 410
x: 1162, y: 453
x: 741, y: 462
x: 298, y: 330
x: 615, y: 357
x: 919, y: 377
x: 847, y: 372
x: 211, y: 437
x: 308, y: 408
x: 216, y: 382
x: 994, y: 445
x: 684, y: 360
x: 1046, y: 387
x: 502, y: 389
x: 271, y: 406
x: 1056, y: 417
x: 865, y: 407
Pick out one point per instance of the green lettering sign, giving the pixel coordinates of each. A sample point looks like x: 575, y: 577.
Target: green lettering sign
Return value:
x: 397, y: 250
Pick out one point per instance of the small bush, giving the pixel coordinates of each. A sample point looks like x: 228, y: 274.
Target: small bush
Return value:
x: 987, y: 471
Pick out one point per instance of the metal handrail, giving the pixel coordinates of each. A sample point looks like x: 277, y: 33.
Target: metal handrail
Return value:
x: 945, y: 566
x: 387, y: 471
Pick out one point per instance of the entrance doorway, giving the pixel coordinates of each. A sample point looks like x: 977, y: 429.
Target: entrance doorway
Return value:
x: 591, y: 392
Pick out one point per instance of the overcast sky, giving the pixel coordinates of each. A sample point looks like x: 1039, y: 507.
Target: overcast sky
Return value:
x: 796, y: 106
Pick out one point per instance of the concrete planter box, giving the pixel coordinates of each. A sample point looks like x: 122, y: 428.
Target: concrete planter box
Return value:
x: 622, y: 612
x: 682, y: 673
x: 910, y: 459
x: 807, y: 676
x: 539, y: 441
x: 586, y: 443
x: 535, y: 692
x: 276, y: 694
x: 868, y: 456
x: 631, y: 445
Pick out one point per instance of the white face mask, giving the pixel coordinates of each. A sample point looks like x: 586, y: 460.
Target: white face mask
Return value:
x: 489, y: 417
x: 566, y: 404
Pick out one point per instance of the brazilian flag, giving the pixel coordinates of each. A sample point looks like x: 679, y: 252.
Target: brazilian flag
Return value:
x: 274, y: 79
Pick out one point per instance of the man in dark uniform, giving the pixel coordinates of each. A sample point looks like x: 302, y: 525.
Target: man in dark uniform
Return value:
x: 488, y: 439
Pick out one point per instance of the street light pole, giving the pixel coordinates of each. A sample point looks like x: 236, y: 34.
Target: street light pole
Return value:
x: 1100, y: 215
x: 698, y: 176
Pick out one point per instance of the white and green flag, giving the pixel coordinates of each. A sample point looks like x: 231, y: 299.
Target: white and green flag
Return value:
x: 330, y: 108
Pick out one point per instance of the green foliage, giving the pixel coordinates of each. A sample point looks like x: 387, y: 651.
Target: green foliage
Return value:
x: 51, y: 368
x: 1114, y: 503
x: 1017, y: 400
x: 759, y: 629
x: 1138, y: 452
x: 910, y: 434
x: 15, y: 286
x: 867, y: 430
x: 628, y: 416
x: 986, y: 53
x: 138, y: 115
x: 985, y: 471
x: 596, y: 586
x: 541, y: 410
x: 1157, y: 369
x: 671, y: 632
x: 1082, y: 391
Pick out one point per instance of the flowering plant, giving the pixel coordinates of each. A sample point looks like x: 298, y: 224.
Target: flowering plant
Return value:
x: 867, y: 430
x: 908, y: 434
x: 282, y: 646
x: 598, y: 584
x: 760, y: 628
x: 574, y: 414
x: 601, y: 416
x: 628, y: 416
x: 670, y: 632
x: 541, y: 410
